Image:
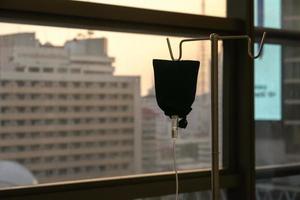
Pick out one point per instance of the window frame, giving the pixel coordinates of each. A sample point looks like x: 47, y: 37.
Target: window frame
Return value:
x: 237, y: 177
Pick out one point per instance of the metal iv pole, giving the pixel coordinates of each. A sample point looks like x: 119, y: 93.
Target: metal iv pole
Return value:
x: 214, y: 38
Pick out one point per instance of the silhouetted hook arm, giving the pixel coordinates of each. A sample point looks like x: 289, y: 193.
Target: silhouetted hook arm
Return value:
x: 180, y: 46
x: 220, y: 38
x: 170, y: 49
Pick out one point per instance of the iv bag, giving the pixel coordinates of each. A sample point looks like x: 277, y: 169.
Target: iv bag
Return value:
x: 175, y: 85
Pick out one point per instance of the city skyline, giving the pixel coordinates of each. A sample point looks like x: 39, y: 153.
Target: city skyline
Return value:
x: 133, y: 62
x: 61, y: 104
x: 56, y: 128
x: 64, y: 115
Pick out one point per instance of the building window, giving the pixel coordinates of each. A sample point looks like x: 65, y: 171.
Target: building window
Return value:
x: 34, y: 69
x: 48, y: 70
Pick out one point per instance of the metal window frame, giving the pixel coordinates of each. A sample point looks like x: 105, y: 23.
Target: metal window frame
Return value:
x: 126, y: 187
x: 71, y: 14
x: 238, y: 175
x: 280, y: 36
x: 241, y: 114
x: 276, y: 171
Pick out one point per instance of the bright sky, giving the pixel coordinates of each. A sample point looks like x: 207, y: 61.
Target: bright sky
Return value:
x: 209, y: 7
x: 133, y: 52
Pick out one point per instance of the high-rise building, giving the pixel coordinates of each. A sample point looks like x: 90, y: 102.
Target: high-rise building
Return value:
x: 64, y: 115
x: 270, y: 137
x: 281, y: 134
x: 290, y: 82
x: 277, y: 100
x: 155, y: 135
x: 204, y: 55
x: 150, y: 150
x: 193, y: 145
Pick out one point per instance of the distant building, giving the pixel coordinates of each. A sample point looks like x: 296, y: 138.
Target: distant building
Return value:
x: 150, y: 151
x: 278, y: 141
x: 290, y: 83
x: 64, y: 115
x: 193, y: 145
x: 155, y: 133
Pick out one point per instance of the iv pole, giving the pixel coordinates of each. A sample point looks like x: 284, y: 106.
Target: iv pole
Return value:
x: 214, y: 38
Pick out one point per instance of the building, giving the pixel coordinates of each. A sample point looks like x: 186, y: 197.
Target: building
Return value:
x: 64, y: 115
x: 277, y: 140
x: 193, y: 145
x: 137, y: 31
x: 150, y: 151
x: 281, y: 134
x: 290, y: 83
x: 156, y: 135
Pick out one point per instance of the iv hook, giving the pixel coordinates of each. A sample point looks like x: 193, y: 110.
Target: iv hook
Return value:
x: 221, y: 38
x: 261, y: 45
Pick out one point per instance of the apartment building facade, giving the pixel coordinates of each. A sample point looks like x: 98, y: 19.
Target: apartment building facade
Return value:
x: 64, y: 114
x: 193, y: 145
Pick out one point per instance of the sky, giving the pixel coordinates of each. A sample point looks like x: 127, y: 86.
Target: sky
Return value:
x: 133, y: 53
x: 207, y: 7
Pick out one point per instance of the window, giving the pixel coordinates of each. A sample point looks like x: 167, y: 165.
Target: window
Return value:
x: 145, y: 37
x: 285, y: 187
x: 48, y: 70
x: 276, y: 101
x: 277, y: 14
x: 33, y: 69
x: 75, y: 71
x: 62, y: 70
x: 193, y: 195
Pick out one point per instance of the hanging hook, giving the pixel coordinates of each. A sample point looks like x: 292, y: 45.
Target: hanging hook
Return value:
x: 180, y: 46
x: 261, y: 45
x: 170, y: 49
x: 220, y: 38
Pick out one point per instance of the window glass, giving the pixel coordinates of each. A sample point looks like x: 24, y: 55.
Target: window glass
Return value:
x: 80, y: 104
x: 278, y: 188
x: 203, y: 195
x: 279, y: 14
x: 277, y: 105
x: 203, y: 7
x: 268, y: 84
